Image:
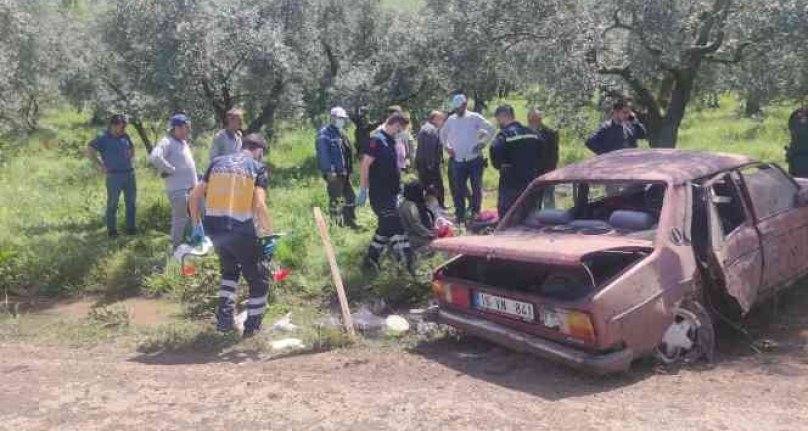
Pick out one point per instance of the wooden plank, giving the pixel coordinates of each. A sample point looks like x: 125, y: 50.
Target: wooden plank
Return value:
x: 335, y: 274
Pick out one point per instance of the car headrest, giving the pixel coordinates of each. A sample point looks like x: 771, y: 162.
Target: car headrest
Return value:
x: 591, y: 224
x: 631, y: 220
x: 553, y: 217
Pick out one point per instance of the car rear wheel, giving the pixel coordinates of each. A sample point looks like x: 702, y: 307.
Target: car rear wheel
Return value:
x: 690, y: 337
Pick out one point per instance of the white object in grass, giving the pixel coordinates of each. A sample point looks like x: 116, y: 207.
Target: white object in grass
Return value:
x: 396, y: 324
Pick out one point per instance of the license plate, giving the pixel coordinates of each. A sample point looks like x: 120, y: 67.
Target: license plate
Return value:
x: 498, y: 304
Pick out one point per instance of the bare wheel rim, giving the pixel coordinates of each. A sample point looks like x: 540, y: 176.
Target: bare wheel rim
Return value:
x: 681, y: 339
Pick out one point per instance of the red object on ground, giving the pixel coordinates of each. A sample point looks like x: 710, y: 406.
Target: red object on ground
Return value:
x: 281, y: 274
x: 188, y: 270
x: 445, y: 231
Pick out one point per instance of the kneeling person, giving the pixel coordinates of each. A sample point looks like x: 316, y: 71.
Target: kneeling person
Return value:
x: 237, y: 219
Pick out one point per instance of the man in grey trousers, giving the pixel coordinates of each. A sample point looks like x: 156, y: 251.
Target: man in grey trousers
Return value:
x: 172, y: 157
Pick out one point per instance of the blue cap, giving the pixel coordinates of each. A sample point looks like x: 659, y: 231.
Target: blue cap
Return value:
x: 178, y: 120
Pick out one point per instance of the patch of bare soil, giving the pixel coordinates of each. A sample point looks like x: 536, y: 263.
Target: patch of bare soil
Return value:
x: 142, y: 311
x: 437, y: 385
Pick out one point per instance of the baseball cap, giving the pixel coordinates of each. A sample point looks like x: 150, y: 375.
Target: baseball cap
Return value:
x: 178, y: 120
x: 338, y: 112
x: 458, y: 100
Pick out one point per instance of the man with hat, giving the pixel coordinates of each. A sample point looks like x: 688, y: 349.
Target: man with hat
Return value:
x: 172, y: 157
x: 239, y: 225
x: 464, y: 135
x: 116, y: 151
x: 335, y: 160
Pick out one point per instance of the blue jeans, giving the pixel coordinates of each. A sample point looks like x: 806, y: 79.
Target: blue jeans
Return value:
x: 463, y: 172
x: 117, y: 183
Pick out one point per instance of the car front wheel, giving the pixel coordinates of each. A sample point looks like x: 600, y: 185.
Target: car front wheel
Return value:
x: 690, y: 337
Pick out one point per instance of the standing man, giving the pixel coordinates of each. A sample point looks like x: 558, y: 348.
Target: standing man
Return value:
x: 517, y: 153
x: 404, y: 141
x: 117, y: 152
x: 549, y: 158
x: 172, y: 157
x: 380, y: 178
x: 237, y: 219
x: 429, y: 155
x: 335, y: 159
x: 797, y: 152
x: 620, y: 132
x: 228, y: 140
x: 464, y: 135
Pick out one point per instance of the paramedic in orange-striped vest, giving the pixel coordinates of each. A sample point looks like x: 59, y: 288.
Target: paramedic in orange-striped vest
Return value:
x: 238, y: 223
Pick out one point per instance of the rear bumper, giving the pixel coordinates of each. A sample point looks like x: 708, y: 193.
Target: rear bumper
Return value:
x: 606, y: 363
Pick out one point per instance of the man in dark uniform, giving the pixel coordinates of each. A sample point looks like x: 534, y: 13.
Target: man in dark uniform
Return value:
x: 517, y: 153
x: 237, y: 219
x: 335, y: 159
x: 549, y: 160
x: 429, y: 155
x: 620, y: 132
x: 380, y: 179
x: 797, y: 152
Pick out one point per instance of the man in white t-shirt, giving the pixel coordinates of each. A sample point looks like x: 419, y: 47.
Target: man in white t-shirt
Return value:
x: 464, y: 136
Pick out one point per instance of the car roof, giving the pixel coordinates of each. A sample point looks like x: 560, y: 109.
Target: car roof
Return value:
x: 654, y: 165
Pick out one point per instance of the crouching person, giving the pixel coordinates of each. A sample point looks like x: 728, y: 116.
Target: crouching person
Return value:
x: 418, y: 220
x: 238, y: 222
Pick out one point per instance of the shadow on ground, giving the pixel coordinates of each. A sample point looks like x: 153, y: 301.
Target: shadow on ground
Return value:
x: 775, y: 342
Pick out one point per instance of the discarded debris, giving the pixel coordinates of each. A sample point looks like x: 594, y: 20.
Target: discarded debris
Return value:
x: 396, y: 325
x: 287, y: 344
x: 284, y: 324
x: 366, y: 321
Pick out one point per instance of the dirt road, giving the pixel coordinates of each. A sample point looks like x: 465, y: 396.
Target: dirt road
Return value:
x: 438, y: 385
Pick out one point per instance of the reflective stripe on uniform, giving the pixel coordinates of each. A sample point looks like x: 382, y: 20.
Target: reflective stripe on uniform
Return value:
x: 520, y: 138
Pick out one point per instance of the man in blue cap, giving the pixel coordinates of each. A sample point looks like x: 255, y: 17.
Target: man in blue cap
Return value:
x: 116, y: 151
x: 335, y: 159
x: 464, y: 135
x: 172, y: 157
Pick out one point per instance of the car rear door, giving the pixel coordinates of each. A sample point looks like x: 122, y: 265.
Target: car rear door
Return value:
x: 728, y: 230
x: 781, y: 221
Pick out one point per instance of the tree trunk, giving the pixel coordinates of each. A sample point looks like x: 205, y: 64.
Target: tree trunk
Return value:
x: 144, y: 135
x: 267, y: 115
x: 753, y: 107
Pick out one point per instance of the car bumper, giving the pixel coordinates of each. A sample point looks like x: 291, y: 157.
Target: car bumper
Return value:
x: 606, y: 363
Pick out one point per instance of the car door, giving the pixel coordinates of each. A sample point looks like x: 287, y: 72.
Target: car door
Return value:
x: 735, y: 256
x: 782, y: 222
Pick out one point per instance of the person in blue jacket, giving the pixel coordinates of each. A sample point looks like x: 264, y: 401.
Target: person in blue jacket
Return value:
x: 518, y: 153
x: 335, y: 160
x: 619, y: 132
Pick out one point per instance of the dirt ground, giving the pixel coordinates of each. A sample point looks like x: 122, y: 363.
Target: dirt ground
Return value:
x: 440, y: 384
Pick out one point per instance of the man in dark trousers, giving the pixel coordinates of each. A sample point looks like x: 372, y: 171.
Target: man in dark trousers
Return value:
x: 380, y: 180
x: 517, y: 153
x: 237, y: 219
x: 619, y: 132
x: 549, y: 160
x: 335, y: 159
x: 797, y: 152
x: 116, y: 151
x: 429, y: 155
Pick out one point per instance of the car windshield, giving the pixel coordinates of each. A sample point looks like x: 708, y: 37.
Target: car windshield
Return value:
x: 627, y: 208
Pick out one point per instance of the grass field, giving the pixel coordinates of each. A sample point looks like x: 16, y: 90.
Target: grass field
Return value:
x: 53, y: 242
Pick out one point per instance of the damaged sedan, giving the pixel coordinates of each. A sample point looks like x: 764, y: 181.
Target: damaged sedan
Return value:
x: 629, y: 254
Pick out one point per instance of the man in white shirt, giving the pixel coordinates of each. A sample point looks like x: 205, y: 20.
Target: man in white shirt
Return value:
x: 464, y: 136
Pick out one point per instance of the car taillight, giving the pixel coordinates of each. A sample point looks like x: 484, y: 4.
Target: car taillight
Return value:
x: 576, y: 324
x: 451, y: 293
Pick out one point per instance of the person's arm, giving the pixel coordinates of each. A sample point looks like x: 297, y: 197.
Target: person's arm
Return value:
x: 639, y: 129
x: 92, y: 153
x: 158, y: 157
x: 496, y: 152
x: 195, y: 199
x: 412, y: 220
x: 261, y: 212
x: 364, y: 172
x: 595, y: 142
x: 443, y: 135
x: 324, y: 155
x: 487, y: 129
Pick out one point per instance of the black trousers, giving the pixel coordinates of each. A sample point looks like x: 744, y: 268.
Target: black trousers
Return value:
x: 432, y: 178
x: 341, y: 197
x: 389, y: 232
x: 240, y: 254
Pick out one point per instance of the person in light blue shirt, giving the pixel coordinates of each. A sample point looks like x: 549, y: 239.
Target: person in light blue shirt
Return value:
x: 116, y: 152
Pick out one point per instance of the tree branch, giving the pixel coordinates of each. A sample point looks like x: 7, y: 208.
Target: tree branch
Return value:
x: 644, y: 96
x: 735, y: 58
x: 619, y: 24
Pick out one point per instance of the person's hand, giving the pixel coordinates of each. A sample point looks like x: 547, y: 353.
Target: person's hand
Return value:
x: 268, y: 244
x: 197, y: 234
x: 479, y: 146
x: 362, y: 198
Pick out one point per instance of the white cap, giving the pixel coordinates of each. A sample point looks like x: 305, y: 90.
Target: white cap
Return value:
x: 458, y: 100
x: 338, y: 112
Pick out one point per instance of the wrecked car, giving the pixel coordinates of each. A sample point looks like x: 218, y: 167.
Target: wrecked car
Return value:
x: 629, y: 254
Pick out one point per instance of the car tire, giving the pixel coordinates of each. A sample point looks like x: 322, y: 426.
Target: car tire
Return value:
x: 690, y: 336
